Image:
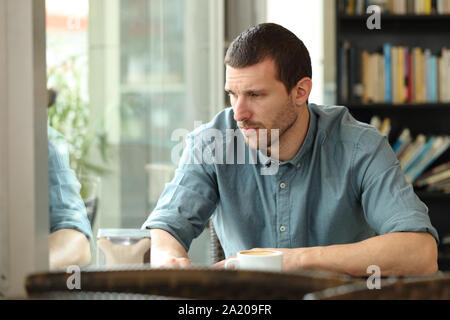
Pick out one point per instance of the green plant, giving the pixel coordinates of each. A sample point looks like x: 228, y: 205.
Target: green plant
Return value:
x: 71, y: 116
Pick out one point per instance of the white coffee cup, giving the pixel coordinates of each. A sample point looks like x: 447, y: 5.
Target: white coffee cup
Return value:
x: 265, y: 260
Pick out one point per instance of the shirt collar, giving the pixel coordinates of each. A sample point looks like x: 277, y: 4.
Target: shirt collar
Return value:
x: 304, y: 149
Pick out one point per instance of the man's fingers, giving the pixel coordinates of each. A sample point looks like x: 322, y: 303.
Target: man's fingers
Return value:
x: 174, y: 263
x: 183, y: 262
x: 221, y: 264
x: 178, y: 263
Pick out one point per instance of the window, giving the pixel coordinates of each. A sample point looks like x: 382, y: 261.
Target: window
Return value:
x: 155, y: 66
x: 134, y: 71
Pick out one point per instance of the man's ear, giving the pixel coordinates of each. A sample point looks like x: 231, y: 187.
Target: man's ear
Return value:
x: 302, y: 90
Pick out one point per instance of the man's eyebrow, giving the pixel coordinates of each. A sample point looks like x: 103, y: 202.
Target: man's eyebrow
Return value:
x: 247, y: 91
x: 253, y: 90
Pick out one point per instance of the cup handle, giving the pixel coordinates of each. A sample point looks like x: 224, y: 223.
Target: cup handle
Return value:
x: 232, y: 262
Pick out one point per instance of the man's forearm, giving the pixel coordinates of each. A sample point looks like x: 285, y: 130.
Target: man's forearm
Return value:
x: 166, y: 250
x: 68, y: 247
x: 406, y: 253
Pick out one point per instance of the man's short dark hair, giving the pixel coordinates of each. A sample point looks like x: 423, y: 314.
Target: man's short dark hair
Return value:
x: 270, y: 40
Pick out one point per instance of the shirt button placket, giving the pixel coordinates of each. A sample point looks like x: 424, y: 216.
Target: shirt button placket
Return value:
x: 283, y: 239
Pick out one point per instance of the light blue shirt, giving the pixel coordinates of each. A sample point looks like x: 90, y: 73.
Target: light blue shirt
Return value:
x: 344, y: 185
x: 67, y: 209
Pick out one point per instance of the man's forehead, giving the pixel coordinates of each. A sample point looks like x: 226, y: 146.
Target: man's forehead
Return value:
x: 266, y: 67
x: 258, y: 75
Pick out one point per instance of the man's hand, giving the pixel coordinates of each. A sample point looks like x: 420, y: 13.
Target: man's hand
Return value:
x: 166, y: 251
x: 291, y: 258
x: 165, y: 260
x: 221, y: 264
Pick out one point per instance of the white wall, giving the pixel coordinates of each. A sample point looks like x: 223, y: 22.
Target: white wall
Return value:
x: 24, y: 207
x: 305, y: 19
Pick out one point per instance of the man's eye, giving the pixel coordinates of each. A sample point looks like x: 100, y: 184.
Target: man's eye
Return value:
x: 255, y: 95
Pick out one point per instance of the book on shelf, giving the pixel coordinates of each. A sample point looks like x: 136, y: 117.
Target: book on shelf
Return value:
x: 387, y: 49
x: 436, y: 179
x: 423, y: 179
x: 444, y: 75
x: 396, y: 7
x: 376, y: 122
x: 403, y: 142
x: 438, y: 146
x: 421, y: 154
x: 443, y: 186
x: 412, y: 151
x: 385, y: 128
x: 396, y: 75
x: 418, y: 154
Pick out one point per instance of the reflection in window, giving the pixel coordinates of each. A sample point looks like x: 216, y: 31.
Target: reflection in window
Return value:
x: 145, y: 68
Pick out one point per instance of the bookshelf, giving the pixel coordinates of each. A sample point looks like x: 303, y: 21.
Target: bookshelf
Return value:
x: 427, y: 31
x: 397, y: 19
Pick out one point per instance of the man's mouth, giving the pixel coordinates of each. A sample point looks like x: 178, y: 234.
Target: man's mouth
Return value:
x: 249, y: 131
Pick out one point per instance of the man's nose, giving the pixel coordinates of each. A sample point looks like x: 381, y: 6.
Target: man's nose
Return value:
x: 242, y: 111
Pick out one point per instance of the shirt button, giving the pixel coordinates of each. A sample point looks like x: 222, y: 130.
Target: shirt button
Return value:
x: 282, y: 228
x: 298, y: 165
x: 282, y: 185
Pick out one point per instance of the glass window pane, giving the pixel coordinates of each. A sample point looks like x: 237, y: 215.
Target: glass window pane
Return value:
x: 138, y: 71
x: 164, y: 85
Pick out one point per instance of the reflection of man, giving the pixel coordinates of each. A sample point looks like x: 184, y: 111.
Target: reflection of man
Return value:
x: 69, y: 226
x: 339, y: 201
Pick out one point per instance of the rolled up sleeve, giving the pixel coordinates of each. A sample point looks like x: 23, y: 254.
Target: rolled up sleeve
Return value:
x: 67, y: 209
x: 389, y: 201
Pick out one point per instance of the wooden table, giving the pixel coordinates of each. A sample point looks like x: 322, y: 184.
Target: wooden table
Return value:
x: 190, y: 283
x: 214, y: 284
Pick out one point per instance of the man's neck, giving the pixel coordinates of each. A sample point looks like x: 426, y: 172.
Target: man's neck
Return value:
x: 292, y: 140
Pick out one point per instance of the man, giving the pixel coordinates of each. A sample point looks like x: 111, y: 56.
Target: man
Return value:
x: 69, y: 226
x: 338, y: 202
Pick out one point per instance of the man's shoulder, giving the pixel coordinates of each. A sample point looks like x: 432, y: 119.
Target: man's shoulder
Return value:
x: 336, y: 124
x: 56, y: 139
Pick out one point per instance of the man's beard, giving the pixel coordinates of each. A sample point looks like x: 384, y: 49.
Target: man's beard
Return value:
x: 283, y: 121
